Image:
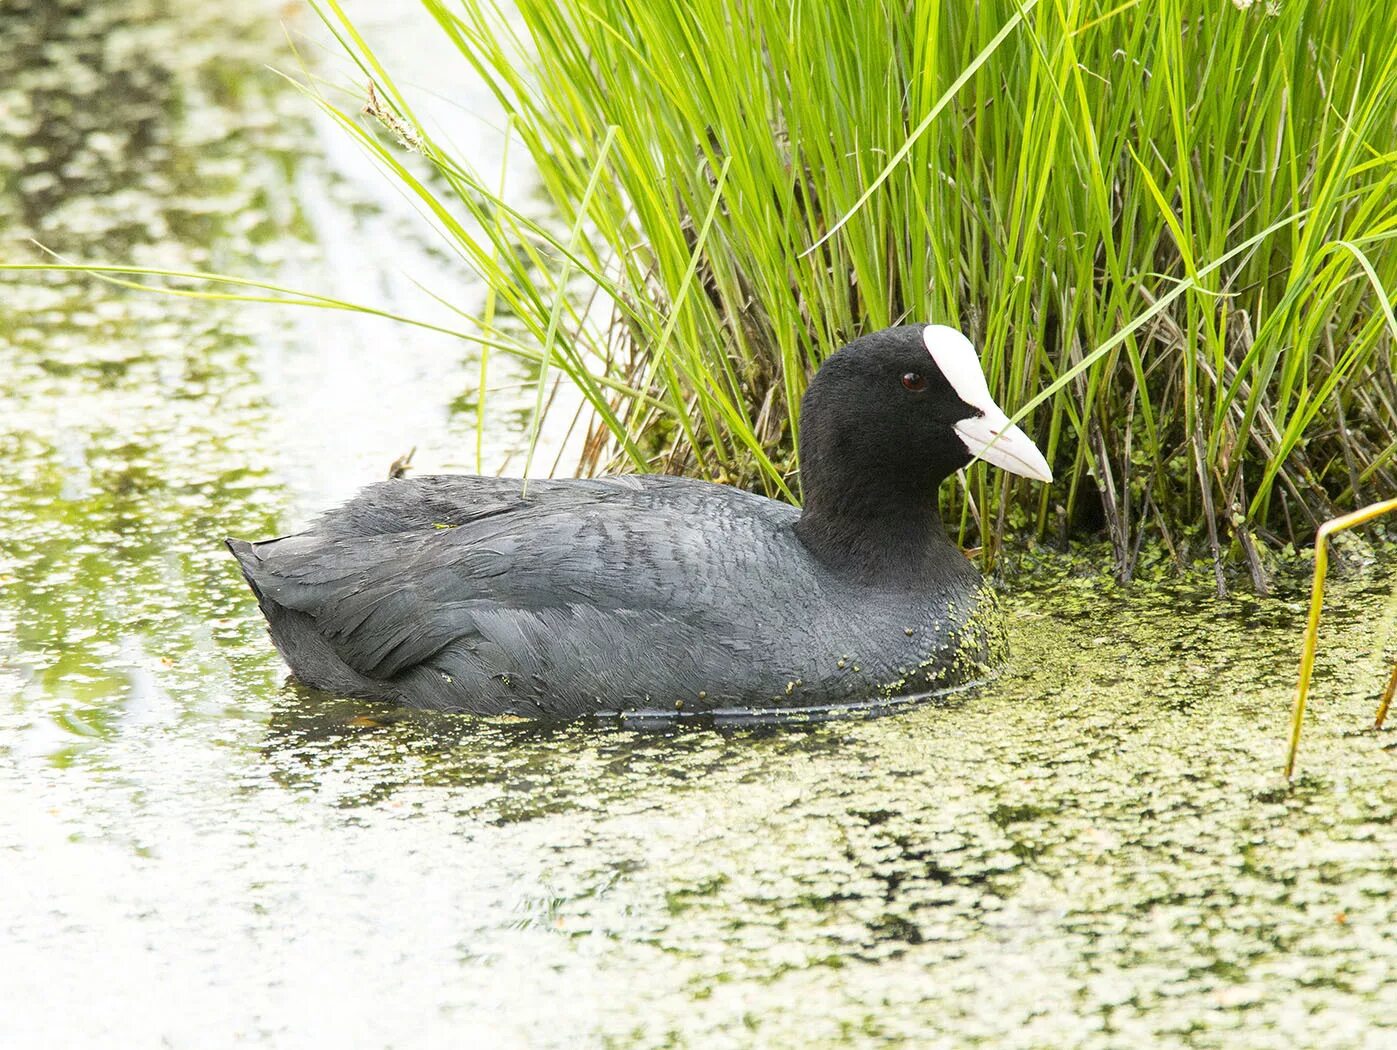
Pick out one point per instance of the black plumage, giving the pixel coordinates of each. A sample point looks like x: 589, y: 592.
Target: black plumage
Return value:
x: 648, y: 593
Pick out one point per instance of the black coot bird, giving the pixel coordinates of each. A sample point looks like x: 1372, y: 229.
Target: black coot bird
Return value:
x: 638, y: 595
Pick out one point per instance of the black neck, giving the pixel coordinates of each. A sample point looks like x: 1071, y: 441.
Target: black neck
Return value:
x: 873, y: 527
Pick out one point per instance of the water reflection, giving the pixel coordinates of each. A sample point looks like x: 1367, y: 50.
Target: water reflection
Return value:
x: 125, y: 128
x: 537, y: 768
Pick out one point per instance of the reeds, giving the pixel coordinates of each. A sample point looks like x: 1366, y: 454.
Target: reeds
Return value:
x: 1171, y: 228
x: 749, y: 183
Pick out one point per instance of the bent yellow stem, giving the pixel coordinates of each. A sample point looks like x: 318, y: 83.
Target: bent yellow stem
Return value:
x: 1386, y: 699
x: 1307, y: 654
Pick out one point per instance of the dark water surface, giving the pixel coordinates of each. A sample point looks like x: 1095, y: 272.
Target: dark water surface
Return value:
x: 1095, y: 852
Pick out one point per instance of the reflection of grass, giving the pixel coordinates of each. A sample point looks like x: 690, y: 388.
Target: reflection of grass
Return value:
x: 119, y: 483
x: 1307, y: 655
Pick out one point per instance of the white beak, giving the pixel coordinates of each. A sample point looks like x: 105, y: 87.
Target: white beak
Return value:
x: 994, y: 439
x: 988, y: 435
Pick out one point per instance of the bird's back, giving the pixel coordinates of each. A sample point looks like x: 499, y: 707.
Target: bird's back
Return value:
x: 569, y: 597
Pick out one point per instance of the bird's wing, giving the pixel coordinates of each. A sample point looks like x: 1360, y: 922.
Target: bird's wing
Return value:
x: 503, y: 581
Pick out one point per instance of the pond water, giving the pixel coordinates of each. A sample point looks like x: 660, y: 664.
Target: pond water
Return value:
x: 1096, y: 851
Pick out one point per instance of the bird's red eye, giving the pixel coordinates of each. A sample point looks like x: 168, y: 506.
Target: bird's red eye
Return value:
x: 914, y: 380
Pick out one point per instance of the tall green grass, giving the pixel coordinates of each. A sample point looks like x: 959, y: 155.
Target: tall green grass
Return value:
x: 1170, y: 227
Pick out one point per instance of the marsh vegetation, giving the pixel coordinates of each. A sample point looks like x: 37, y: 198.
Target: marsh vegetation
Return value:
x: 1170, y: 229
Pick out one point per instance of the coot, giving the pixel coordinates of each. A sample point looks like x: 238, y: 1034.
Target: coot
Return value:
x: 643, y: 595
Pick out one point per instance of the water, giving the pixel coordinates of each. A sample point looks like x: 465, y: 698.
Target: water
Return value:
x: 1097, y: 851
